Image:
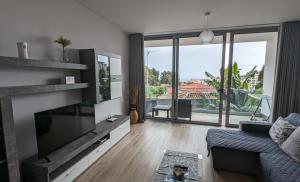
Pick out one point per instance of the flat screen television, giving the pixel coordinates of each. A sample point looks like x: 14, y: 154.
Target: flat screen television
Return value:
x: 58, y: 127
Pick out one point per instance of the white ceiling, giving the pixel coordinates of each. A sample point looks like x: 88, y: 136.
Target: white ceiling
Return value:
x: 158, y: 16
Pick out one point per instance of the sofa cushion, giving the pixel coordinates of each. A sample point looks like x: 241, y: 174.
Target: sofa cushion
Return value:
x: 278, y: 167
x: 281, y: 130
x: 261, y: 127
x: 240, y: 140
x: 292, y: 145
x: 294, y: 119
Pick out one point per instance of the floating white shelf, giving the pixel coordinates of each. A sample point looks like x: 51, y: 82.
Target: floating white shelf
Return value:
x: 14, y: 61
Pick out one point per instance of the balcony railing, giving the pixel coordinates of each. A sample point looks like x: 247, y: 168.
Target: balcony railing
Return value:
x: 211, y: 106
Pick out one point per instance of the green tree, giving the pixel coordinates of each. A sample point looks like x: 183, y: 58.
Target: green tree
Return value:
x: 237, y: 81
x: 166, y: 77
x: 151, y: 76
x: 212, y: 80
x: 155, y: 91
x: 259, y: 85
x: 239, y: 85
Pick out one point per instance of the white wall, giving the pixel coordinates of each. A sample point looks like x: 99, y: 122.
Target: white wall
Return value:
x: 269, y: 72
x: 39, y: 22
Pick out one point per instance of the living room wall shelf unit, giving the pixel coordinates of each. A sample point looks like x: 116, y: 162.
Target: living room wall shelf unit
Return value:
x: 14, y: 61
x: 9, y: 158
x: 9, y: 162
x: 35, y: 89
x: 68, y: 162
x: 104, y: 76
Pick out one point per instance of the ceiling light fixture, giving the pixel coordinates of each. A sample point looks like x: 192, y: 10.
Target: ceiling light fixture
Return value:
x: 206, y: 36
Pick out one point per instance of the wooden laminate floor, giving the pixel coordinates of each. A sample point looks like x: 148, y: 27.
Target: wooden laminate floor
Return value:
x: 136, y: 157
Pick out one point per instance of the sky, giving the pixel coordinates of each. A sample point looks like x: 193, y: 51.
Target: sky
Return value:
x: 194, y: 60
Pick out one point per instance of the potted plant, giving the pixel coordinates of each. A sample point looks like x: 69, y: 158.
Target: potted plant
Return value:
x: 133, y: 105
x: 64, y: 43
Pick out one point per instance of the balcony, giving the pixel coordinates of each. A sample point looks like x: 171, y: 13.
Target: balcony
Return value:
x: 204, y: 110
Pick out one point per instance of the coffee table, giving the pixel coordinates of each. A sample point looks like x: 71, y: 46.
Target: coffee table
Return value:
x: 170, y: 158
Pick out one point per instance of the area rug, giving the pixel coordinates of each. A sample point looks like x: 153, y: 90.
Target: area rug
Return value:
x: 170, y: 158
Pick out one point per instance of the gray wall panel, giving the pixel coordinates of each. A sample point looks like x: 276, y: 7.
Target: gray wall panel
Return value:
x: 39, y: 22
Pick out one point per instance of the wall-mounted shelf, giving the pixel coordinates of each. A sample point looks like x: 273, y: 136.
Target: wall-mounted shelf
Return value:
x: 35, y: 89
x: 14, y: 61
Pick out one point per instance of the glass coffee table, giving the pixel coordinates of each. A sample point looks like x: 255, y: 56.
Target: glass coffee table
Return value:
x: 193, y: 162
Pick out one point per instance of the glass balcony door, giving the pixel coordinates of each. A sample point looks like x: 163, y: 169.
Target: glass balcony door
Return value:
x: 251, y: 70
x: 220, y: 83
x: 184, y: 79
x: 199, y: 91
x: 159, y: 78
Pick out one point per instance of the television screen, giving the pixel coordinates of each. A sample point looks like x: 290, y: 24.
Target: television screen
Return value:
x: 58, y: 127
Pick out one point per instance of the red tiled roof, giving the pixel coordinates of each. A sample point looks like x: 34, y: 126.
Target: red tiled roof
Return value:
x: 195, y: 90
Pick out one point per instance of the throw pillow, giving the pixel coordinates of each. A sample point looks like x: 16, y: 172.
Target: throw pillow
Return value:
x: 281, y: 130
x: 292, y: 145
x: 294, y: 119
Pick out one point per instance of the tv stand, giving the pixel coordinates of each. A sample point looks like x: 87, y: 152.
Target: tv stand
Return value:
x: 65, y: 164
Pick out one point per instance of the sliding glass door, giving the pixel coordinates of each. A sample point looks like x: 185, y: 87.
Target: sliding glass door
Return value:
x: 158, y: 78
x: 252, y: 68
x: 200, y: 80
x: 221, y: 83
x: 184, y: 79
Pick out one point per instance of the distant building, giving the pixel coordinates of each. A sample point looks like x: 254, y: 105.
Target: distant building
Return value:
x: 253, y: 81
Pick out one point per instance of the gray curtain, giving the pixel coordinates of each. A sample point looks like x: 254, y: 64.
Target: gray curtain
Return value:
x: 136, y: 70
x: 287, y: 83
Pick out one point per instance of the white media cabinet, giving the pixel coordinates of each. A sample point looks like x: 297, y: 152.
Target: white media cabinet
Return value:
x: 65, y: 167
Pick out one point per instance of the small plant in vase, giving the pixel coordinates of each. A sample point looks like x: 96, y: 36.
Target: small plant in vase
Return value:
x: 64, y: 43
x: 133, y: 105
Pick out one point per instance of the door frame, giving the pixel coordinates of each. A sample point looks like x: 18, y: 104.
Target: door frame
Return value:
x: 221, y: 90
x: 175, y: 58
x: 231, y: 49
x: 175, y: 73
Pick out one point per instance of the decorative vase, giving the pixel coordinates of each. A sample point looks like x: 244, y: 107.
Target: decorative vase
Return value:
x: 22, y: 50
x: 134, y: 116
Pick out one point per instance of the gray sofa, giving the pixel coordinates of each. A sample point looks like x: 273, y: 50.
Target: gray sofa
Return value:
x: 251, y: 151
